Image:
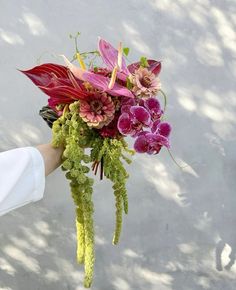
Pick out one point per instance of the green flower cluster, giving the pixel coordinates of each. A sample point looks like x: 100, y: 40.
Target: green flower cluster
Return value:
x: 71, y: 132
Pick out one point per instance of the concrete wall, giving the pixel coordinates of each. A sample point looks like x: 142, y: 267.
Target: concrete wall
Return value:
x: 180, y: 231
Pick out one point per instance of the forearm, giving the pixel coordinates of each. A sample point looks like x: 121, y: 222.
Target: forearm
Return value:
x: 51, y: 157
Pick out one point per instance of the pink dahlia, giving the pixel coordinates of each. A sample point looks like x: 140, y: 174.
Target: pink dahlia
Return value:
x: 97, y: 110
x: 145, y: 83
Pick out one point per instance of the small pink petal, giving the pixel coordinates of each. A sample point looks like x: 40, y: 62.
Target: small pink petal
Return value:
x: 141, y: 144
x: 124, y: 124
x: 164, y: 129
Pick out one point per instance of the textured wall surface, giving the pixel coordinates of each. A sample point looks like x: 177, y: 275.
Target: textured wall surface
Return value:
x: 180, y: 231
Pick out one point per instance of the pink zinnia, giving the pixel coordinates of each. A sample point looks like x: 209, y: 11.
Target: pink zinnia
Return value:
x: 145, y: 83
x: 97, y: 110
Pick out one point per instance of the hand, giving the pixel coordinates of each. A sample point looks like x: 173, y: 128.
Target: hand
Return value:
x: 51, y: 156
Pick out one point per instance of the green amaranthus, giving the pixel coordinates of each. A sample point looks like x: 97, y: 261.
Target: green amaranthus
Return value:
x: 74, y: 134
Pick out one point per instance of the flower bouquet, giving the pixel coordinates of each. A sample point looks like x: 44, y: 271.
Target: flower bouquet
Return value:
x: 93, y: 109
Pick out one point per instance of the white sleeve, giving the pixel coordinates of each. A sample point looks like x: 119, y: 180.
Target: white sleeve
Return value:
x: 22, y: 178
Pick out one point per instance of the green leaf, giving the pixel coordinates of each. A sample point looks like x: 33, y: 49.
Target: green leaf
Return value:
x: 129, y: 85
x: 126, y: 51
x: 144, y: 62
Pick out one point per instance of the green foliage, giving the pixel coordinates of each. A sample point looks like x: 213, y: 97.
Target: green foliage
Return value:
x: 112, y: 151
x: 129, y: 84
x: 144, y: 62
x: 126, y: 51
x: 71, y: 132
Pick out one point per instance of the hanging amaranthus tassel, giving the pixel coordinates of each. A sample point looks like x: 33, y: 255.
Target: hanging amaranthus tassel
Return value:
x: 71, y: 132
x: 80, y: 234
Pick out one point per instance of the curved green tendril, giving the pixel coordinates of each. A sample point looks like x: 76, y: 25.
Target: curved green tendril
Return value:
x: 173, y: 159
x: 165, y: 99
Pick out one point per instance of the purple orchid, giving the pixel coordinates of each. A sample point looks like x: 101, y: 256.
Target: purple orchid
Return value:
x: 154, y: 108
x: 161, y: 128
x: 133, y: 119
x: 150, y: 143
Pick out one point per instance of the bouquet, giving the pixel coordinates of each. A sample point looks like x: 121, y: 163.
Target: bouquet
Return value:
x: 92, y: 109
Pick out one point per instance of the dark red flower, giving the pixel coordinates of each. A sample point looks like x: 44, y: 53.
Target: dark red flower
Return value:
x: 58, y: 83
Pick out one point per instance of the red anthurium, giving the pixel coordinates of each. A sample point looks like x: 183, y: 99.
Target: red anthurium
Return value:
x: 58, y: 83
x: 42, y: 75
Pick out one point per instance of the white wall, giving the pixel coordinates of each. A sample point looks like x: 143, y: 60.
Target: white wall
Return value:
x: 181, y: 224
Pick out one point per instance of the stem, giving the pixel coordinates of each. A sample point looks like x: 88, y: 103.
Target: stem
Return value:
x: 96, y: 167
x: 90, y: 52
x: 173, y: 159
x: 101, y: 172
x: 165, y: 99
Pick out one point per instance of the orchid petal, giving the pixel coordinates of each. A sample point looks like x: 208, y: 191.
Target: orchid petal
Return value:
x: 124, y: 124
x: 156, y: 139
x: 126, y: 109
x: 128, y: 101
x: 155, y: 126
x: 141, y: 144
x: 141, y: 114
x: 162, y: 140
x: 164, y: 129
x: 152, y: 104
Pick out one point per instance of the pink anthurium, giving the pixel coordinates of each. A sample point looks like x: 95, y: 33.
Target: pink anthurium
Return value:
x: 102, y: 83
x: 109, y: 55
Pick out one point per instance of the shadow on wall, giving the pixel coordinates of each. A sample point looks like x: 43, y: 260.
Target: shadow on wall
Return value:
x: 179, y: 234
x: 18, y: 134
